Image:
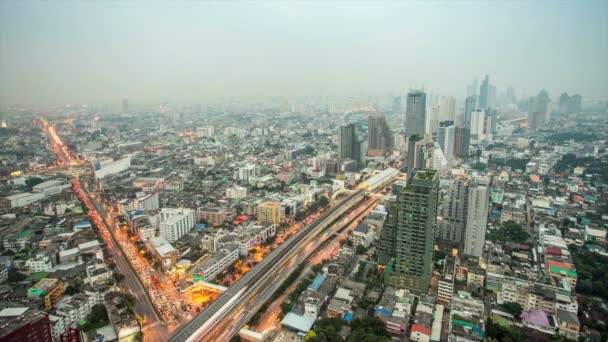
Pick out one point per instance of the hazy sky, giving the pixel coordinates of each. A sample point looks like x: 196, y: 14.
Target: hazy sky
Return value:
x: 192, y: 52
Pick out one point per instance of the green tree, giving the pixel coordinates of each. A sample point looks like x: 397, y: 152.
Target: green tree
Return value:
x: 513, y: 308
x: 360, y: 249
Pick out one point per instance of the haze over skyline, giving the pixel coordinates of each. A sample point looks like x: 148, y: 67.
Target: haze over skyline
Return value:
x: 187, y: 52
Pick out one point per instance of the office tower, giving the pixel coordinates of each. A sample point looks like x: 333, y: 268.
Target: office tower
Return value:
x: 511, y: 95
x: 538, y: 110
x: 575, y: 103
x: 484, y: 92
x: 434, y: 118
x: 397, y: 105
x: 415, y: 113
x: 125, y: 105
x: 407, y: 239
x: 415, y: 154
x: 490, y: 124
x: 461, y: 142
x: 477, y: 216
x: 478, y: 117
x: 446, y: 134
x: 452, y: 212
x: 492, y: 96
x: 362, y: 153
x: 448, y: 108
x: 472, y: 88
x: 563, y: 104
x: 379, y: 138
x: 469, y: 106
x: 349, y: 143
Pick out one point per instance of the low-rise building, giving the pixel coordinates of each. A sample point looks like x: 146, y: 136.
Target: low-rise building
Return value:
x: 50, y: 290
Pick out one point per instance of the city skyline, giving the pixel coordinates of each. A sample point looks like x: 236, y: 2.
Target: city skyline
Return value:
x: 98, y: 53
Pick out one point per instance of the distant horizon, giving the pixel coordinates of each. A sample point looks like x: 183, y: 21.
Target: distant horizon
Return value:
x: 186, y: 53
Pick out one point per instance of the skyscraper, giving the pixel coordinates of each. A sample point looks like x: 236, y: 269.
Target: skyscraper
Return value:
x: 484, y: 92
x: 446, y: 134
x: 492, y: 96
x: 469, y: 106
x: 477, y: 216
x: 478, y: 120
x: 406, y: 242
x: 462, y: 141
x: 125, y: 105
x: 397, y: 105
x: 415, y: 115
x: 564, y: 103
x: 452, y: 212
x: 538, y: 110
x: 448, y: 108
x: 434, y: 118
x: 415, y: 154
x: 379, y: 138
x: 575, y: 103
x: 349, y: 143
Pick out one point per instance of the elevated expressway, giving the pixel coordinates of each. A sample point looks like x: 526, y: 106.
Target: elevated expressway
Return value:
x: 225, y: 317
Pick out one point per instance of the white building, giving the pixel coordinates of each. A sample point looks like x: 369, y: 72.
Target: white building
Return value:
x: 23, y: 199
x: 362, y: 235
x: 175, y: 222
x: 477, y: 216
x: 248, y: 172
x: 51, y: 187
x: 478, y: 118
x: 446, y: 136
x: 143, y: 201
x: 163, y: 251
x: 108, y: 166
x: 255, y: 235
x: 40, y: 263
x: 71, y: 310
x: 236, y: 192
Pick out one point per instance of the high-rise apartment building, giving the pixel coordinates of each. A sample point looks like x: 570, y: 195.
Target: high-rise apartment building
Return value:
x: 477, y: 216
x: 173, y: 223
x: 448, y: 108
x: 478, y: 124
x: 446, y: 134
x: 538, y: 110
x: 415, y: 114
x: 270, y: 212
x: 379, y: 137
x: 415, y: 154
x: 349, y: 143
x: 406, y: 243
x: 484, y: 92
x: 452, y: 212
x: 469, y: 107
x: 461, y: 142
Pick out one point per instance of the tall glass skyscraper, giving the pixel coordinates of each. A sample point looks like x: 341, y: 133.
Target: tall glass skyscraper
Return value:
x: 406, y: 242
x: 415, y: 114
x: 484, y: 92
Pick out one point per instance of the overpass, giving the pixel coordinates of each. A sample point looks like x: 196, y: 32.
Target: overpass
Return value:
x: 225, y: 315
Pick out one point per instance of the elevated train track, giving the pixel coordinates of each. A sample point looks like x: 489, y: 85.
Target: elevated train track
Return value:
x: 203, y: 327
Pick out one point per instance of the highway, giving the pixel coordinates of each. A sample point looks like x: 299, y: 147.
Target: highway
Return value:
x: 224, y: 317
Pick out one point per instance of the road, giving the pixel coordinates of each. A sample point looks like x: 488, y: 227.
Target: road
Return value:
x: 224, y: 318
x: 153, y: 328
x: 270, y: 318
